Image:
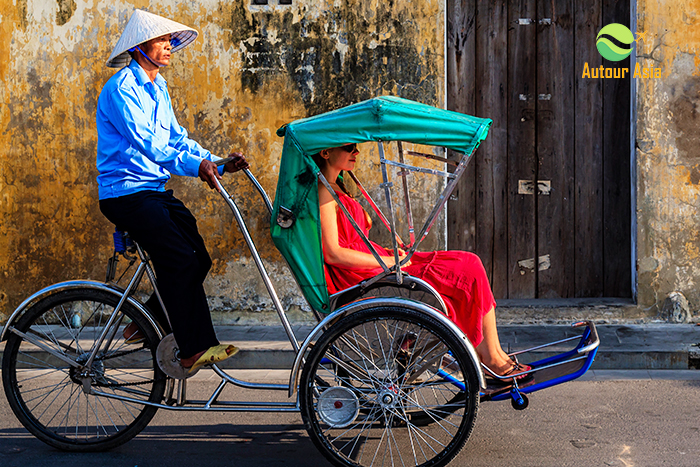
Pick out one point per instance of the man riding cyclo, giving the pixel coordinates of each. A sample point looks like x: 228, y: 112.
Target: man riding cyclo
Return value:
x: 140, y: 144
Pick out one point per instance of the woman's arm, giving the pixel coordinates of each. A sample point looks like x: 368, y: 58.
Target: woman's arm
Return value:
x: 335, y: 254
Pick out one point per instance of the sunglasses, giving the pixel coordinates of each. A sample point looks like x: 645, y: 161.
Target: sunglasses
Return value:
x: 349, y: 147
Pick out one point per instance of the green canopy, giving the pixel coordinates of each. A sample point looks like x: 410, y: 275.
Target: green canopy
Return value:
x: 295, y: 225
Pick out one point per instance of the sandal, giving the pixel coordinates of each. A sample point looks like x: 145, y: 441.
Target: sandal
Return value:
x: 515, y: 369
x: 132, y: 334
x: 214, y: 354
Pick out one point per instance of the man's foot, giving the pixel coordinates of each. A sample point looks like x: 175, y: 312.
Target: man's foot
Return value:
x: 132, y: 334
x: 213, y: 354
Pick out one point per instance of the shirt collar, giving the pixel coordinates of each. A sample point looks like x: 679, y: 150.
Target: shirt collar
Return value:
x: 143, y: 78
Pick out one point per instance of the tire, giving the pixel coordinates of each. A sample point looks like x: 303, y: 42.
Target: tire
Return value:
x: 381, y: 368
x: 46, y: 394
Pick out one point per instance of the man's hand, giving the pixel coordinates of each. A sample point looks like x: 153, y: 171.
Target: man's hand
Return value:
x: 209, y: 173
x: 237, y: 163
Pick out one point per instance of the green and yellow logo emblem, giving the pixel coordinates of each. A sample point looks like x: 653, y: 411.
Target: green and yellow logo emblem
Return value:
x: 607, y: 48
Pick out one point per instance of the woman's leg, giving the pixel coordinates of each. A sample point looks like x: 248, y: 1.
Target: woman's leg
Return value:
x: 490, y: 351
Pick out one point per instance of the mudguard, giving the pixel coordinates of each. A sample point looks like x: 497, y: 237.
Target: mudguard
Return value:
x: 81, y: 284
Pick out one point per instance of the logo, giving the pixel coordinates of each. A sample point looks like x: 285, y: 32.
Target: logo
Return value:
x: 611, y: 51
x: 607, y: 48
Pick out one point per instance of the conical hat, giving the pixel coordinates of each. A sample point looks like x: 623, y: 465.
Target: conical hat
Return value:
x: 144, y: 26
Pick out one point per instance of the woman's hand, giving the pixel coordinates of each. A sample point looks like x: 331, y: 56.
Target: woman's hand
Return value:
x: 402, y: 256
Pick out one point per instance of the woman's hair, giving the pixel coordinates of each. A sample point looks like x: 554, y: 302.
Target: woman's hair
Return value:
x: 321, y: 162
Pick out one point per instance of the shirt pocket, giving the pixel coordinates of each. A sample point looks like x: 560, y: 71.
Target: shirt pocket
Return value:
x: 162, y: 132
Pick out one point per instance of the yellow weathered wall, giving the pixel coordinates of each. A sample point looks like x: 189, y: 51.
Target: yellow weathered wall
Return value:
x: 668, y: 154
x: 252, y: 69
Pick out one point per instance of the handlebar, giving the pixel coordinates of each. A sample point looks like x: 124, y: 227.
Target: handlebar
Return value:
x: 223, y: 161
x: 595, y: 341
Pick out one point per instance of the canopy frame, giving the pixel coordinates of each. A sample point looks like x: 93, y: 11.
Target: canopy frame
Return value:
x: 388, y: 220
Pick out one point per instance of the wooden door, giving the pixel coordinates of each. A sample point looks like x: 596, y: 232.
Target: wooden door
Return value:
x: 546, y: 200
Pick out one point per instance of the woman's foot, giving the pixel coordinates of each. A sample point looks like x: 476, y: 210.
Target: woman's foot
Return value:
x: 213, y: 354
x: 515, y: 369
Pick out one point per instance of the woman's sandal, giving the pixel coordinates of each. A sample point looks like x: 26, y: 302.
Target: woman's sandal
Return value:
x: 214, y: 354
x: 515, y: 369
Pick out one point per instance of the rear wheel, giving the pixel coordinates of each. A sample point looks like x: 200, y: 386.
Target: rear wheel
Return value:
x: 389, y: 386
x: 46, y: 392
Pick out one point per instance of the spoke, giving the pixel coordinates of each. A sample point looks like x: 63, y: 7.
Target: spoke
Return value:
x: 70, y: 407
x: 43, y: 394
x: 378, y: 446
x: 127, y: 405
x: 410, y: 437
x: 398, y: 450
x: 98, y: 424
x: 45, y: 365
x: 66, y: 326
x: 422, y: 431
x: 60, y: 408
x: 358, y: 351
x: 111, y: 403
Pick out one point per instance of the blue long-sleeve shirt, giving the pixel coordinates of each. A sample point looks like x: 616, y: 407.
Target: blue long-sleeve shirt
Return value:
x: 139, y: 142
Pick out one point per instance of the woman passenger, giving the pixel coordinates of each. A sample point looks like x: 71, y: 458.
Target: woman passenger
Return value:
x: 458, y: 276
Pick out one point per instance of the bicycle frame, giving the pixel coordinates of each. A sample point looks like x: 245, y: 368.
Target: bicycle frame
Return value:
x: 180, y: 402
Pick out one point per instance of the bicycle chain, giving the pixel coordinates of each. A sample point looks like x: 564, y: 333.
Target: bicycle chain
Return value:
x: 118, y: 385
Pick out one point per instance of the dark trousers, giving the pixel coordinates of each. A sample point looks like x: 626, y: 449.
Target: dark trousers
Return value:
x: 167, y: 230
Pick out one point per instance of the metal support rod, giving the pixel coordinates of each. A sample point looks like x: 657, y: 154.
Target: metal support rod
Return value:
x: 233, y: 406
x: 421, y: 169
x: 406, y: 198
x: 36, y: 341
x: 374, y: 206
x: 113, y: 317
x: 544, y: 345
x: 444, y: 196
x: 152, y: 278
x: 181, y: 392
x: 258, y: 262
x: 216, y: 393
x: 247, y: 384
x: 354, y: 223
x: 260, y: 189
x: 390, y: 209
x: 432, y: 156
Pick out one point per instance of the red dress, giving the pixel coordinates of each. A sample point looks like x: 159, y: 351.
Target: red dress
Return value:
x: 458, y: 276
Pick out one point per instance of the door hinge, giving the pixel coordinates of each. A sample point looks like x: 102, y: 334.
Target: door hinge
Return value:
x: 528, y: 265
x: 527, y: 187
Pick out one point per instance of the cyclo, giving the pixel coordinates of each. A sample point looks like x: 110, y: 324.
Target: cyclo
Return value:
x: 364, y: 398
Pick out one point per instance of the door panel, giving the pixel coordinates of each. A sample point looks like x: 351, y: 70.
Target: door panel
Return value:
x: 546, y: 200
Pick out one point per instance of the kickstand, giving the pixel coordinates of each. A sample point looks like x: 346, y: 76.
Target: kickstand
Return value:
x: 519, y: 400
x: 181, y: 392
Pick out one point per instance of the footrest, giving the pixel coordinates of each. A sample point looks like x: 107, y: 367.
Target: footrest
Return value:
x: 554, y: 370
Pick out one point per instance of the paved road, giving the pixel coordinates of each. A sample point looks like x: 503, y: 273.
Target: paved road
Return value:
x: 610, y: 419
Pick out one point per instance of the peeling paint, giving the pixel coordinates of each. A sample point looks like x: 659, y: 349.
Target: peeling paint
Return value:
x: 668, y: 154
x: 66, y: 8
x: 251, y: 70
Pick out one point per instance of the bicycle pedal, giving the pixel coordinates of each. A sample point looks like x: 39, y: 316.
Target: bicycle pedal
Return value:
x: 168, y: 358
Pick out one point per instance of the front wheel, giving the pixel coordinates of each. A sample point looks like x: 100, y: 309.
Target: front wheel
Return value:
x: 46, y: 393
x: 389, y: 386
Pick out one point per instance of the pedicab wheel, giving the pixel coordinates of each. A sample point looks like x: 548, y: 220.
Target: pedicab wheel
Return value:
x: 520, y: 402
x: 47, y: 394
x: 388, y: 362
